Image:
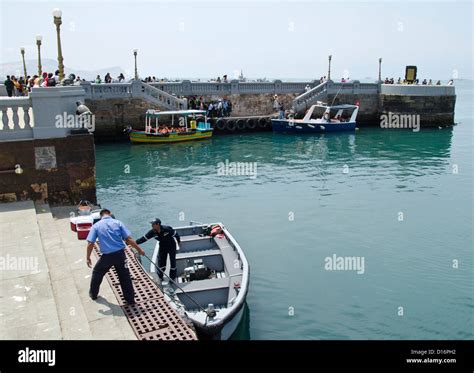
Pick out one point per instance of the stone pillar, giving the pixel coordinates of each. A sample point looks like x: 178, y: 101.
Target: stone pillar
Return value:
x: 87, y: 86
x: 137, y: 89
x: 277, y: 87
x: 186, y: 88
x: 234, y: 87
x: 51, y: 107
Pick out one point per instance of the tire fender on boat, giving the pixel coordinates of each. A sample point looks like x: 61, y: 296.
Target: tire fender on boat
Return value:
x: 240, y: 124
x: 268, y: 123
x: 230, y: 125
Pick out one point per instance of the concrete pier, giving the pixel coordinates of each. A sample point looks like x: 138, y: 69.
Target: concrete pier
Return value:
x: 44, y: 285
x: 47, y: 297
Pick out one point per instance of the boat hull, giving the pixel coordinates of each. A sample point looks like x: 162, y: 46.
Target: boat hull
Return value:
x: 287, y: 126
x: 223, y: 331
x: 151, y: 138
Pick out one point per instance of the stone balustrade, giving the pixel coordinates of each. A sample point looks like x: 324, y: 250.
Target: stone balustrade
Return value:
x: 36, y: 116
x: 135, y: 89
x: 16, y: 118
x: 188, y: 88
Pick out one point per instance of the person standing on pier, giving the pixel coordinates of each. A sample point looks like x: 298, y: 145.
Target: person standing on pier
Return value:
x: 111, y: 234
x: 169, y: 240
x: 9, y: 86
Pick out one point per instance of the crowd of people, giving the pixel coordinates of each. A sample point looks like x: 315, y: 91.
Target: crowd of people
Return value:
x: 416, y: 81
x: 214, y: 109
x: 21, y: 86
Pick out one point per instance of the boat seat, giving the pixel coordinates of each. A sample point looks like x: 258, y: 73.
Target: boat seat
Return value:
x: 197, y: 254
x: 193, y: 237
x: 229, y: 255
x: 203, y: 285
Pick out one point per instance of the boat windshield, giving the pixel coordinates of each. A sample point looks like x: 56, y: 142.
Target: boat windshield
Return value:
x: 335, y: 113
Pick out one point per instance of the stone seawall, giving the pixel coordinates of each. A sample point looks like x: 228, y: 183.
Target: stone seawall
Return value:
x: 434, y: 111
x: 59, y: 171
x: 113, y: 115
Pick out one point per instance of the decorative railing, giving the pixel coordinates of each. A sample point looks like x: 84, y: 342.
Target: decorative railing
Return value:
x: 353, y: 87
x: 305, y: 100
x: 16, y: 118
x: 162, y: 98
x: 188, y: 88
x: 135, y: 89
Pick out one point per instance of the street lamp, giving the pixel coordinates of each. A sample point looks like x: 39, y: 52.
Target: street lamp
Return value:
x: 22, y: 50
x: 380, y: 69
x: 135, y: 52
x: 329, y: 67
x: 57, y: 21
x: 38, y: 43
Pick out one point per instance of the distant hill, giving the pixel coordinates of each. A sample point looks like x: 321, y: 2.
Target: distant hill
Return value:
x: 50, y: 65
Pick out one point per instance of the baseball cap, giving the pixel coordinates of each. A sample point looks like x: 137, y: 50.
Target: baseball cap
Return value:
x: 156, y: 221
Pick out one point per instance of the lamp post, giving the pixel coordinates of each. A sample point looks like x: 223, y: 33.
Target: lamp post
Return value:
x: 22, y: 50
x: 329, y: 67
x: 38, y: 43
x: 380, y: 69
x: 57, y: 21
x: 135, y: 52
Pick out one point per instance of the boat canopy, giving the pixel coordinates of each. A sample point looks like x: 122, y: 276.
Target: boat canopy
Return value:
x: 157, y: 114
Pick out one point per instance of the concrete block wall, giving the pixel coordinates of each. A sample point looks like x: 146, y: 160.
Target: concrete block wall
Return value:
x: 66, y: 176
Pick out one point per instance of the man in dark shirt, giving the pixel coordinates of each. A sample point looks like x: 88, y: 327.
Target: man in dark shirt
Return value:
x: 9, y: 86
x: 169, y: 240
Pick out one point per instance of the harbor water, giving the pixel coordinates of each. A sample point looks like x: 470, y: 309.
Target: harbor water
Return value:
x: 400, y: 201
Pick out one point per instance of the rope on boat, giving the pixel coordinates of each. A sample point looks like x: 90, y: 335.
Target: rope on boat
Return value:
x: 209, y: 313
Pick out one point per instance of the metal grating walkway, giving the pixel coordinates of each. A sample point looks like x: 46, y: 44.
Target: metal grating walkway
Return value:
x: 151, y: 317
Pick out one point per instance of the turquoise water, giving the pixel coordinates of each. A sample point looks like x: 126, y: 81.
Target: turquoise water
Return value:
x: 319, y: 196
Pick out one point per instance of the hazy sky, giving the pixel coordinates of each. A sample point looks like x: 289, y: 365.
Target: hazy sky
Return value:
x: 273, y: 39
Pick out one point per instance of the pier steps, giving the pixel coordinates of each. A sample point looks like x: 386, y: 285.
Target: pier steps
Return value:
x: 304, y: 101
x: 27, y: 303
x: 48, y: 298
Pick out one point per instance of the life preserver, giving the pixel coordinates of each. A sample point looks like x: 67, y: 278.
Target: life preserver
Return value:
x: 220, y: 124
x: 251, y: 124
x: 230, y: 125
x: 240, y: 124
x: 326, y: 116
x: 216, y: 229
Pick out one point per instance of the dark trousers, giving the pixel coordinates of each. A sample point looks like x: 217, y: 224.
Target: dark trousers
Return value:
x: 106, y: 261
x: 162, y: 256
x: 9, y: 92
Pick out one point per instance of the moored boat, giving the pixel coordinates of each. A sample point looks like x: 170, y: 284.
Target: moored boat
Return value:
x: 212, y: 279
x: 190, y: 125
x: 320, y: 118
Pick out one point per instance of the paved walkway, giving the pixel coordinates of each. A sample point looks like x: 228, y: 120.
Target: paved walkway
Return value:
x: 44, y: 280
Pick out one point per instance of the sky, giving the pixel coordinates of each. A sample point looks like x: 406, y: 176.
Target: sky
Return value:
x: 264, y: 38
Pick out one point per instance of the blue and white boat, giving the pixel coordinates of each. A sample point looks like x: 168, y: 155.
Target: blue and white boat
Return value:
x: 320, y: 118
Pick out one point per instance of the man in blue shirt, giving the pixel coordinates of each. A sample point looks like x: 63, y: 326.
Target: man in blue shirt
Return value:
x: 111, y: 234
